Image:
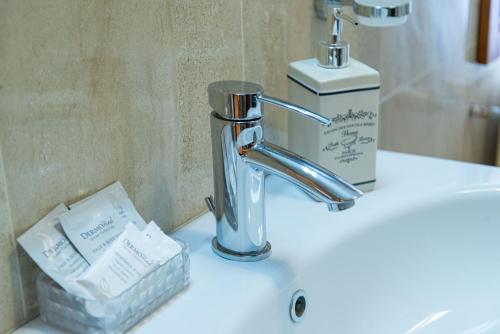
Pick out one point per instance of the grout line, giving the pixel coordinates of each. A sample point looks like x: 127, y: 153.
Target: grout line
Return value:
x: 242, y: 33
x: 13, y: 241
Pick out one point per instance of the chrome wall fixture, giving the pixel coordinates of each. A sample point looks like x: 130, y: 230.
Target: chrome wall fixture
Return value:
x: 379, y: 11
x: 241, y: 160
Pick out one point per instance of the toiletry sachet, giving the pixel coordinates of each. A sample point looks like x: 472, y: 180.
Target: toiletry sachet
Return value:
x: 47, y: 245
x: 94, y: 224
x: 132, y: 256
x: 113, y: 190
x: 118, y: 196
x: 165, y: 246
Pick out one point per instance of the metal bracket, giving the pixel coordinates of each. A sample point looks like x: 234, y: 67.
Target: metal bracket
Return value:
x: 374, y: 11
x: 320, y: 6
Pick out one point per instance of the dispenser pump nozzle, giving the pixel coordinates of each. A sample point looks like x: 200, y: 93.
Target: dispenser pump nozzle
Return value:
x: 333, y: 52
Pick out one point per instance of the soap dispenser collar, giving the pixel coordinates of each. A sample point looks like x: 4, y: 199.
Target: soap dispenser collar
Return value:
x: 333, y: 52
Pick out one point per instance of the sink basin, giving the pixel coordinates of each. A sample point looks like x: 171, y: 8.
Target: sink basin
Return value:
x: 419, y: 254
x: 434, y: 268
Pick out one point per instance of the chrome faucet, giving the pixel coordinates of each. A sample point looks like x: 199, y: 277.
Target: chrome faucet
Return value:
x: 241, y: 160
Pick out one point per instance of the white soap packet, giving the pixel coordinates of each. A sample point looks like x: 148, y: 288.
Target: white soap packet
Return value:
x: 95, y: 222
x: 133, y: 255
x: 93, y: 226
x: 118, y: 197
x: 165, y: 246
x: 47, y: 245
x: 114, y: 190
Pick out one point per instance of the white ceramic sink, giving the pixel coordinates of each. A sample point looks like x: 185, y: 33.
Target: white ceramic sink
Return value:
x: 434, y: 268
x: 420, y: 254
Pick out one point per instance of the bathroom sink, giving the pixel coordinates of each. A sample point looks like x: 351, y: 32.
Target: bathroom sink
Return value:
x: 419, y: 254
x: 434, y: 268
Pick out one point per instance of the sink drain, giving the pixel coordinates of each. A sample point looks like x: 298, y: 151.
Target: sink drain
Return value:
x: 298, y: 305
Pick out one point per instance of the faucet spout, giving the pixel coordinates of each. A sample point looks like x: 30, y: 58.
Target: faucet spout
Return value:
x: 315, y: 180
x: 241, y: 161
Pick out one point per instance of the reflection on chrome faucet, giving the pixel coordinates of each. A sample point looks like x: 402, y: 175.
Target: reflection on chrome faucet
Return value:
x: 241, y: 159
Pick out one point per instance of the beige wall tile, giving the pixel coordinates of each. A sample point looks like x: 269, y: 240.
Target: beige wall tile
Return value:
x: 89, y: 97
x: 101, y: 91
x: 275, y: 34
x: 207, y: 46
x: 11, y: 302
x: 265, y: 56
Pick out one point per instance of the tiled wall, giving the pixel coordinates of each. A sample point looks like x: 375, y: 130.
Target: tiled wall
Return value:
x: 430, y: 79
x: 97, y: 91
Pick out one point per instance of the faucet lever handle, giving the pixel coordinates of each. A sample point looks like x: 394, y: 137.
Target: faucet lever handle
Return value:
x: 241, y: 101
x: 295, y: 108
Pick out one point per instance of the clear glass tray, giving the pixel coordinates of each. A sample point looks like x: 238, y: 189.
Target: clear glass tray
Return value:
x: 64, y: 310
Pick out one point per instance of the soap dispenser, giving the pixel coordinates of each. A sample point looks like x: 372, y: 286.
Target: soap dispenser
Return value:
x: 344, y: 90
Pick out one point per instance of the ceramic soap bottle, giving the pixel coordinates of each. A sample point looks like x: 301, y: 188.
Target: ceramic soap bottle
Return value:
x: 346, y: 91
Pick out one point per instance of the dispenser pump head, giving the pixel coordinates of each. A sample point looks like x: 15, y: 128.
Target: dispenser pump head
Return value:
x: 333, y: 52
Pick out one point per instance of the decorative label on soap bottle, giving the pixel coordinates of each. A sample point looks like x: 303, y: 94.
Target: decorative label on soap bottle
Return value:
x: 348, y: 137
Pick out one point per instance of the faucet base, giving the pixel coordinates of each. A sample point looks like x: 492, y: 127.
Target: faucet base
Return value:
x: 242, y: 257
